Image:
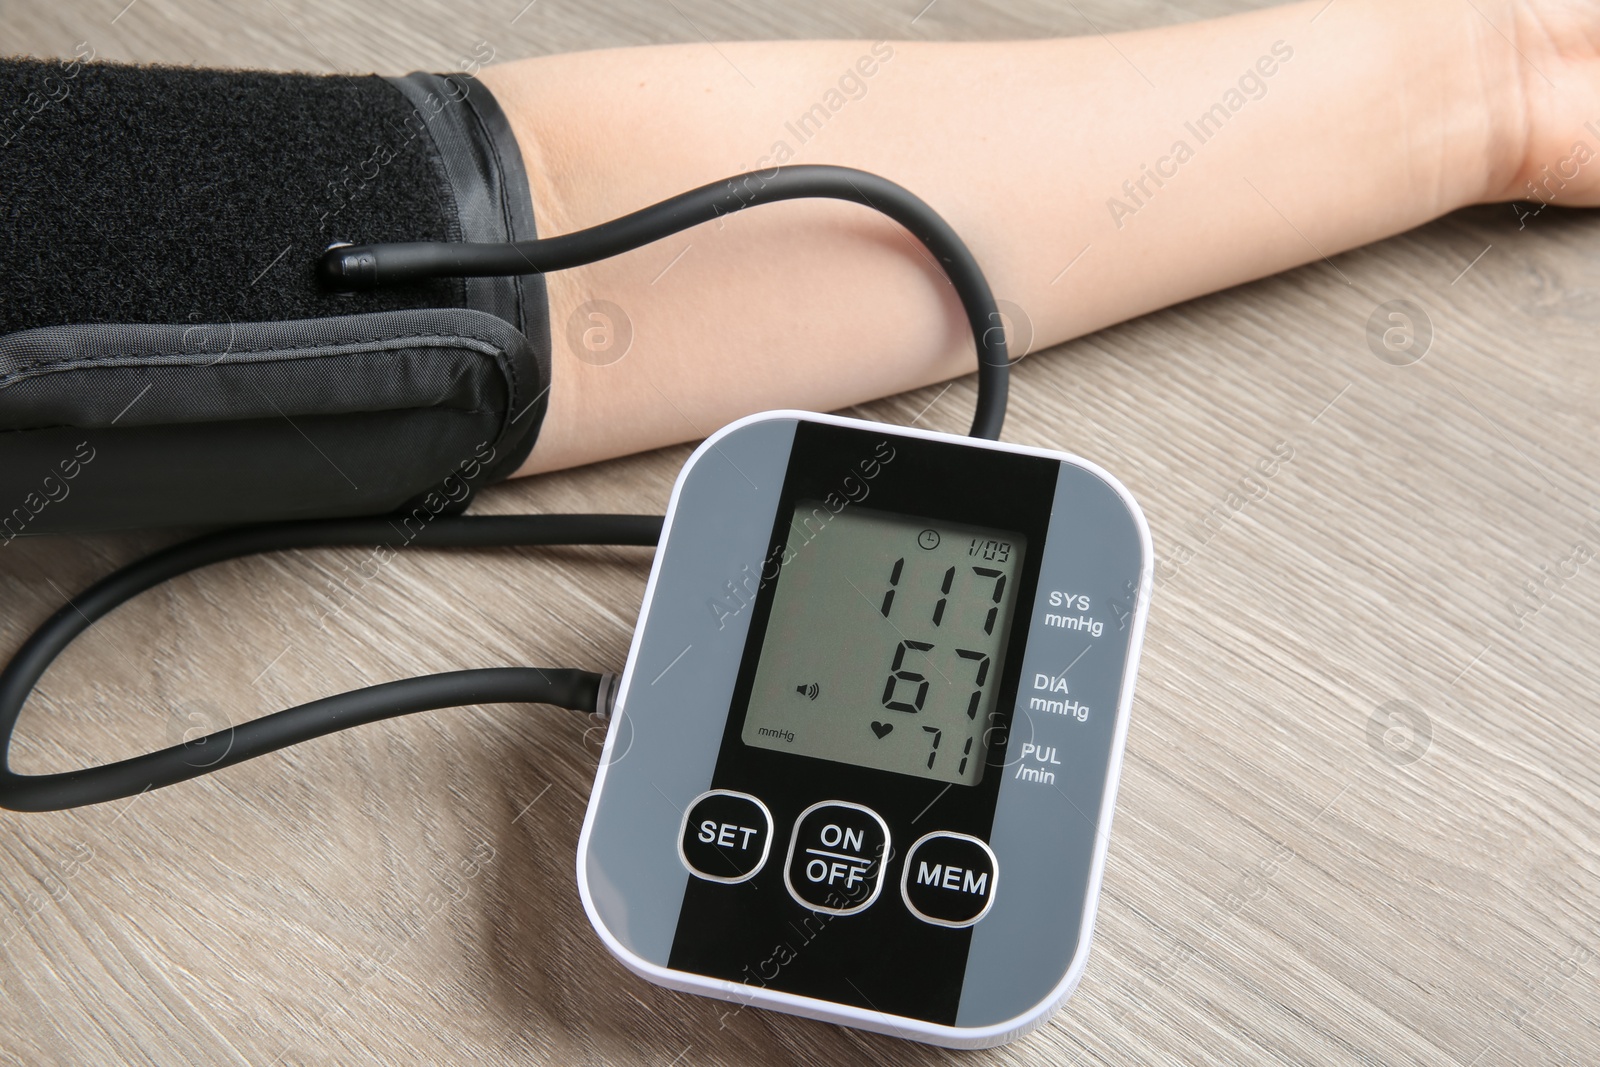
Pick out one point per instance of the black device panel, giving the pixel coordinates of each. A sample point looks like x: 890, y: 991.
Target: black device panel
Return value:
x: 882, y: 956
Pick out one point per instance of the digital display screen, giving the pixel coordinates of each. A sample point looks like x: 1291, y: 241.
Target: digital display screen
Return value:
x: 886, y: 642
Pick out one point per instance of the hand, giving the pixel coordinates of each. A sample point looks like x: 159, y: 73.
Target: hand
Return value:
x: 1552, y: 86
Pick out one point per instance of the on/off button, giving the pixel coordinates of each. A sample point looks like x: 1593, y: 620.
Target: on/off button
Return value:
x: 725, y: 836
x: 836, y: 857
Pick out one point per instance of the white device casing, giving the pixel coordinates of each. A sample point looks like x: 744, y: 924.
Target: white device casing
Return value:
x: 895, y: 1025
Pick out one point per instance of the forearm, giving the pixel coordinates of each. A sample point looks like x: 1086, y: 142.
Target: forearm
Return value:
x: 1094, y: 179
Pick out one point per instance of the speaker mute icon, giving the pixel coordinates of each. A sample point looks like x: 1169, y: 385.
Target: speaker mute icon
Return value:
x: 809, y: 691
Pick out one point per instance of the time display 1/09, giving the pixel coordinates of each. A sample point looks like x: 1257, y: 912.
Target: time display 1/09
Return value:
x: 886, y: 642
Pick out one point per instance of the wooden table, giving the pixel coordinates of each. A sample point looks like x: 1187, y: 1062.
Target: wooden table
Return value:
x: 1358, y: 818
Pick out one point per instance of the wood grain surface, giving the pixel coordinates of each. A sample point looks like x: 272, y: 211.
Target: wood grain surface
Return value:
x: 1359, y: 813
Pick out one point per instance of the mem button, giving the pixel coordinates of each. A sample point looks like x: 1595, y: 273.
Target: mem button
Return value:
x: 836, y: 857
x: 725, y: 837
x: 949, y: 879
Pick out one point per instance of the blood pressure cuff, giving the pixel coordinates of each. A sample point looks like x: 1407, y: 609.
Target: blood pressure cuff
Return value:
x: 166, y: 354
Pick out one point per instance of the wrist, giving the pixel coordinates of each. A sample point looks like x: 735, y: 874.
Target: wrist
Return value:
x: 1477, y: 79
x: 1532, y: 66
x: 1501, y: 70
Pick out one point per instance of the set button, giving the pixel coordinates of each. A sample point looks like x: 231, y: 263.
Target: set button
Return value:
x: 836, y: 857
x: 949, y: 879
x: 725, y: 836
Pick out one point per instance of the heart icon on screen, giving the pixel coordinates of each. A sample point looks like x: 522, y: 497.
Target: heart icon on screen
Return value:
x: 882, y: 729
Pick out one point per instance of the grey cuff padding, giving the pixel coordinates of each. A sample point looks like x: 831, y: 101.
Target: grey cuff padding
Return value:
x: 163, y: 368
x: 228, y: 424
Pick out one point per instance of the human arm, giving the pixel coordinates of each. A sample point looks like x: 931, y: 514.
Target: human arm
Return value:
x: 1349, y: 122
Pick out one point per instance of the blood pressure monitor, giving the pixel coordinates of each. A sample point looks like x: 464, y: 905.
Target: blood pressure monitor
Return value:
x: 864, y: 752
